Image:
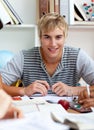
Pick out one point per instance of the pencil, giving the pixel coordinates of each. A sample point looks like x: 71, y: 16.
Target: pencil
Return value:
x: 88, y: 90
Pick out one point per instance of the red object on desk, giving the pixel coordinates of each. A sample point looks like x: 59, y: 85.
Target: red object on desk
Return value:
x: 17, y: 98
x: 64, y: 103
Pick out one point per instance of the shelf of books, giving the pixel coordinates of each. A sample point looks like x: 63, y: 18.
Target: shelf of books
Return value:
x: 78, y: 12
x: 47, y: 6
x: 17, y: 30
x: 8, y: 16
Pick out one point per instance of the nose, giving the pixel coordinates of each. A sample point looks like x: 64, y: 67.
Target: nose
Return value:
x: 53, y: 42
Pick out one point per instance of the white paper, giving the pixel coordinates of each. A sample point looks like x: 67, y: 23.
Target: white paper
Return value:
x: 33, y: 121
x: 84, y: 121
x: 54, y: 98
x: 37, y: 112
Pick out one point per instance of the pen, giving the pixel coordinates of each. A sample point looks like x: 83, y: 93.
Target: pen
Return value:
x: 88, y: 90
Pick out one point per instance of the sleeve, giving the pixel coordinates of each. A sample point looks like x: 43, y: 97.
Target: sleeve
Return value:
x: 13, y: 69
x: 85, y: 67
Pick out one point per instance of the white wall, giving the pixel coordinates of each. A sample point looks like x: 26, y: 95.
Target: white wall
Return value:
x: 17, y: 38
x: 82, y: 37
x: 26, y: 10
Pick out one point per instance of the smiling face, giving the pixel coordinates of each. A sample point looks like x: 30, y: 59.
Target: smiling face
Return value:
x: 52, y: 44
x: 52, y: 30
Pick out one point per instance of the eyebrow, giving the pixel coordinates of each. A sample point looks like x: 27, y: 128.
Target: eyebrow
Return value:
x: 55, y: 35
x: 45, y: 35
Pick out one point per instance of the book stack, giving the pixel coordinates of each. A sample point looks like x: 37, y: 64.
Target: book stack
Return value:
x: 67, y: 10
x: 47, y: 6
x: 7, y: 14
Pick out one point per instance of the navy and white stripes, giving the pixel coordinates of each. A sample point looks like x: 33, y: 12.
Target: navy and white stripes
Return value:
x: 34, y: 68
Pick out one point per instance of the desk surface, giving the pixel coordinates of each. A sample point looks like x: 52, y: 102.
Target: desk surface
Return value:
x: 39, y: 110
x: 25, y: 100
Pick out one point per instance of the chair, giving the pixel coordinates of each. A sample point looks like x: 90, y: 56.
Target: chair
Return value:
x: 5, y: 56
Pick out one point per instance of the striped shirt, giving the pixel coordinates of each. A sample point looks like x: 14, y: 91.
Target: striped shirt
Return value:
x: 34, y: 68
x: 28, y: 66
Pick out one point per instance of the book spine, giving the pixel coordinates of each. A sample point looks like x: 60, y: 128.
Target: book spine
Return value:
x: 67, y: 10
x: 13, y: 11
x: 4, y: 16
x: 43, y: 7
x: 51, y: 5
x: 71, y: 12
x: 57, y: 6
x: 64, y: 9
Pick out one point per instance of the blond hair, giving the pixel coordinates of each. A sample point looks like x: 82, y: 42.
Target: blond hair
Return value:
x: 50, y: 21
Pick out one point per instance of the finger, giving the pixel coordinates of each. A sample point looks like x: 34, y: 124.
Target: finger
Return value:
x: 57, y: 89
x: 83, y: 101
x: 92, y: 94
x: 55, y: 86
x: 17, y: 112
x: 60, y: 92
x: 83, y: 95
x: 88, y: 105
x: 44, y: 83
x: 13, y: 112
x: 4, y: 105
x: 80, y: 97
x: 41, y: 89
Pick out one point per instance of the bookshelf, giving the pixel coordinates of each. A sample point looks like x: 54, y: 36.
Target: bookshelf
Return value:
x: 17, y: 37
x: 78, y: 12
x: 81, y: 33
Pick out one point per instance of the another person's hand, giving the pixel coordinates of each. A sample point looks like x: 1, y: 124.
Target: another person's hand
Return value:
x: 61, y: 89
x: 87, y: 103
x: 85, y: 100
x: 6, y: 108
x: 13, y: 112
x: 84, y: 94
x: 39, y: 86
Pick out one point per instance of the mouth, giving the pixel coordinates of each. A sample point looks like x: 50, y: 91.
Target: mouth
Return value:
x: 53, y: 50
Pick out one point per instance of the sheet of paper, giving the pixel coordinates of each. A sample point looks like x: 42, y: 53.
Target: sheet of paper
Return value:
x: 33, y: 121
x: 28, y: 105
x: 85, y: 121
x: 53, y: 97
x: 37, y: 115
x: 52, y: 108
